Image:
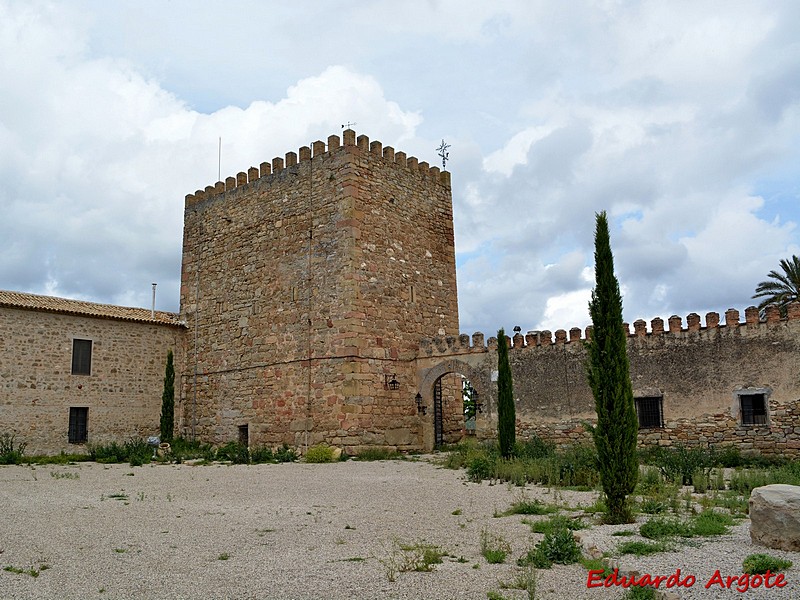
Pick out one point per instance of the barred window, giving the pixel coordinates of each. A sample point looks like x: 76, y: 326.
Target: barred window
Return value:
x: 78, y: 424
x: 753, y: 409
x: 81, y: 357
x: 650, y: 411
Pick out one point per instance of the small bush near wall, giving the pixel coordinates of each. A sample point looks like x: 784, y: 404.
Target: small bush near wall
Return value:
x: 135, y: 451
x: 319, y: 454
x: 234, y: 452
x: 9, y: 453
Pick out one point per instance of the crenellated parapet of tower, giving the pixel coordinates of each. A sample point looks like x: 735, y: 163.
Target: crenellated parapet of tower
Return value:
x: 537, y: 340
x: 318, y: 150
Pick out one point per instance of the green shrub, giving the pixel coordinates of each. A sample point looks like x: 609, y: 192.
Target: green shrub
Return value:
x: 679, y: 463
x: 707, y: 523
x: 710, y: 522
x: 529, y: 507
x: 558, y: 546
x: 235, y: 452
x: 760, y: 563
x: 652, y: 506
x: 729, y: 457
x: 658, y: 529
x: 182, y: 449
x: 555, y: 522
x: 479, y: 468
x: 135, y: 451
x: 534, y: 447
x: 107, y: 453
x: 321, y: 453
x: 285, y: 454
x: 261, y: 454
x: 10, y: 454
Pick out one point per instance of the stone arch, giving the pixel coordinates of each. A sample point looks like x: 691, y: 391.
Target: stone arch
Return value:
x: 429, y: 377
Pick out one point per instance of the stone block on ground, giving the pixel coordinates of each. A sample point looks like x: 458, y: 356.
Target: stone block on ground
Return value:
x: 775, y: 516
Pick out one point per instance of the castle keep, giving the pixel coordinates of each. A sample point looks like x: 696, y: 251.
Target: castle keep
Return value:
x: 306, y: 286
x: 318, y: 303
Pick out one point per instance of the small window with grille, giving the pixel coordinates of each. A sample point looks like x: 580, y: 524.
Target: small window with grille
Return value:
x: 78, y: 424
x: 650, y: 411
x: 753, y: 409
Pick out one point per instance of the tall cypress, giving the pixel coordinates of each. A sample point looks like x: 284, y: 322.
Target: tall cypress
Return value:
x: 168, y: 401
x: 609, y: 378
x: 506, y: 412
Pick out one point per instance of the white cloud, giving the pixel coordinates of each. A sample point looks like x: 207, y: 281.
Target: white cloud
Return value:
x: 99, y: 158
x: 668, y: 117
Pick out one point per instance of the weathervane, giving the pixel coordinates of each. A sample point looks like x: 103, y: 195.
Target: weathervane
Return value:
x: 348, y: 125
x: 444, y: 153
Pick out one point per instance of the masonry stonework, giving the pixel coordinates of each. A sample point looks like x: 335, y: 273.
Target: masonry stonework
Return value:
x: 306, y: 286
x: 122, y: 392
x: 698, y: 373
x: 318, y: 303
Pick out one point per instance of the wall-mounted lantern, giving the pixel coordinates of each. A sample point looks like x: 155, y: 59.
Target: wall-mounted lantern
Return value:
x: 391, y: 384
x: 421, y: 408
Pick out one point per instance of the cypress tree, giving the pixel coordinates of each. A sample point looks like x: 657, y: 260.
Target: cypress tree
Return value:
x: 609, y: 378
x: 168, y: 401
x: 506, y: 413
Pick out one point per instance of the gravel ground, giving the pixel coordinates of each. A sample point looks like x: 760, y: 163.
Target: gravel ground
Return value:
x: 295, y: 531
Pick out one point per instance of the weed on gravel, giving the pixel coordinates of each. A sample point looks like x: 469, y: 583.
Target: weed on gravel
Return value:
x: 494, y: 547
x: 403, y: 558
x: 761, y: 563
x: 558, y: 546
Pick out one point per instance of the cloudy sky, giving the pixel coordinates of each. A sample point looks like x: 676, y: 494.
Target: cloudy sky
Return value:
x: 681, y: 119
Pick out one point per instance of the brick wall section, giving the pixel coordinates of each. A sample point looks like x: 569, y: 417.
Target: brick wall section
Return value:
x: 696, y: 369
x: 123, y: 392
x: 299, y: 280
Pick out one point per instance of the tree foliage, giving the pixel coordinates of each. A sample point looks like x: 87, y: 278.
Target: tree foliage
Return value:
x: 506, y: 412
x: 781, y: 288
x: 168, y: 401
x: 609, y: 378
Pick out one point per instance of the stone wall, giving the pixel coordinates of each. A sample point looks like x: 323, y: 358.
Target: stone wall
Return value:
x: 698, y: 371
x: 305, y: 297
x: 122, y: 393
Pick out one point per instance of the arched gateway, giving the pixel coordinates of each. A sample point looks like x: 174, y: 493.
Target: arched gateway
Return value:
x: 441, y: 391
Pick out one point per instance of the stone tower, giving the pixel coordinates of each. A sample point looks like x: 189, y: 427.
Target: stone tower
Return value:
x: 306, y: 286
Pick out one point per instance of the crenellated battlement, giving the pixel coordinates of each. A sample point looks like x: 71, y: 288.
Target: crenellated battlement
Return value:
x: 347, y: 143
x: 452, y: 345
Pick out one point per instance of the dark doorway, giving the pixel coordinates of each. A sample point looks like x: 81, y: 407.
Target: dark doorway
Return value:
x: 244, y: 435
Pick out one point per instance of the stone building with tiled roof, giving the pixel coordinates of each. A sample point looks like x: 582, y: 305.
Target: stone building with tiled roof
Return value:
x: 74, y: 371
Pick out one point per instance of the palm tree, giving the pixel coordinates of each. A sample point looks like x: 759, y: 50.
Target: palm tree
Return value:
x: 781, y: 288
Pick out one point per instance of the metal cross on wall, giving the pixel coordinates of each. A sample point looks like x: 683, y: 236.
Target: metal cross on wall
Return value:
x: 348, y: 125
x: 444, y: 153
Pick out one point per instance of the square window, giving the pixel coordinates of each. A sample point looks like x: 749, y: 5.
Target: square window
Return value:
x: 753, y: 409
x: 81, y: 357
x: 78, y: 424
x: 650, y: 412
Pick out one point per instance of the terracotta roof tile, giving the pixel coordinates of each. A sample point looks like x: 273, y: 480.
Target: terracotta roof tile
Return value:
x: 89, y: 309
